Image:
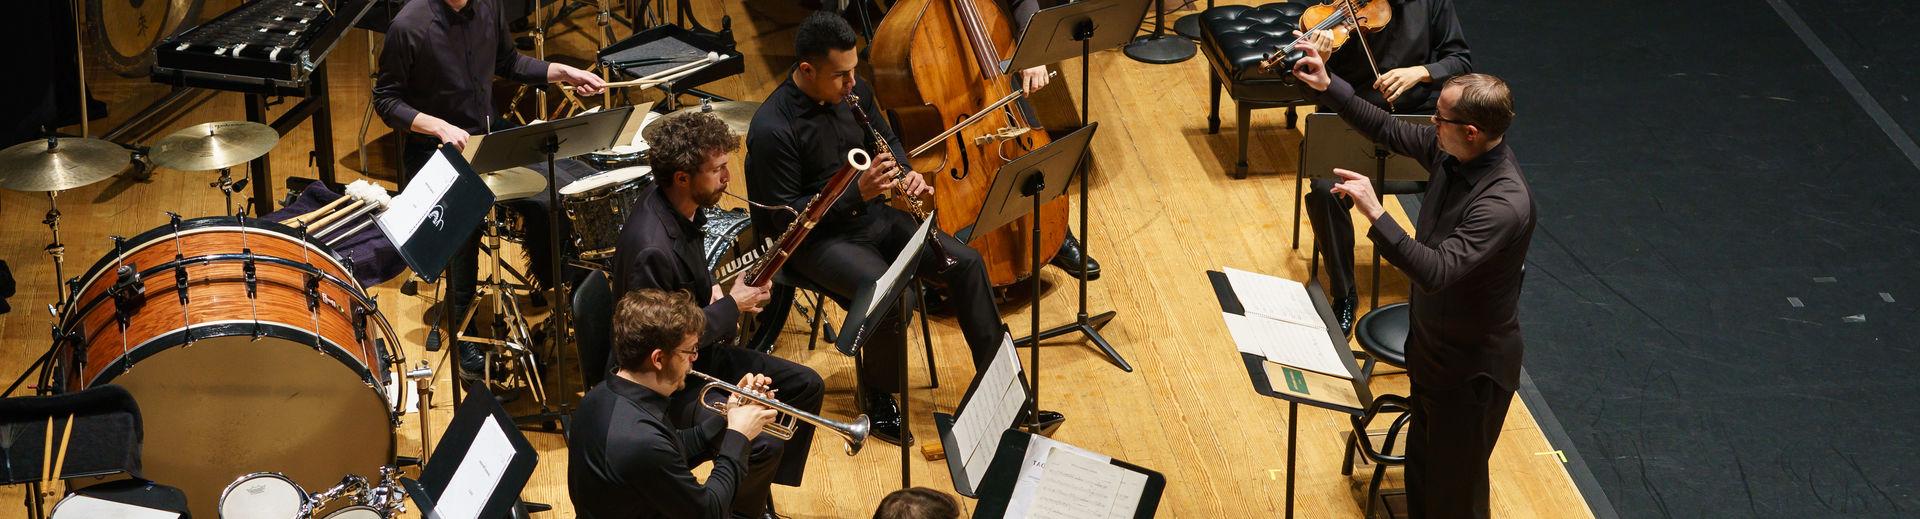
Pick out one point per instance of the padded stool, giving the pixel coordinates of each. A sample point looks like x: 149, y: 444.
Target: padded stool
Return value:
x: 1235, y: 39
x: 1382, y: 333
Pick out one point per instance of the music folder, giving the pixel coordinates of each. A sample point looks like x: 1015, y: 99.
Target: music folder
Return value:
x: 1042, y: 478
x: 994, y: 401
x: 479, y: 465
x: 1291, y: 383
x: 436, y: 212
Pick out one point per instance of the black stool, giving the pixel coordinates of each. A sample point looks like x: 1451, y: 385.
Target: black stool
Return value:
x: 1382, y: 334
x: 1235, y: 39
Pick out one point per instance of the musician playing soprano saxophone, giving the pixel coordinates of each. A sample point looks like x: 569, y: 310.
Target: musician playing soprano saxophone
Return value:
x: 797, y: 140
x: 625, y: 458
x: 660, y: 248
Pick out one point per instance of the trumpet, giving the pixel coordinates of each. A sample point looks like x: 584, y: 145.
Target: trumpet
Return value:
x: 854, y: 433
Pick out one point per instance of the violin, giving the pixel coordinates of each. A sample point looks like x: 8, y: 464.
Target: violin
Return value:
x: 1339, y: 19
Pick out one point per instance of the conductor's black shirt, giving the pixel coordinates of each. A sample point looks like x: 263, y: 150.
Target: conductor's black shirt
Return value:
x: 1465, y: 257
x: 626, y: 461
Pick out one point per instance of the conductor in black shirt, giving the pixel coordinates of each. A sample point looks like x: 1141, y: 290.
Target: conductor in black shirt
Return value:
x: 795, y: 143
x: 625, y: 459
x: 1466, y: 259
x: 660, y: 247
x: 1423, y: 47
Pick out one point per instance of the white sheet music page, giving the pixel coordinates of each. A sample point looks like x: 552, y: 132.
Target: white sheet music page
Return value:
x: 898, y: 268
x: 1287, y: 343
x: 1273, y: 297
x: 1079, y: 487
x: 95, y: 508
x: 419, y: 200
x: 479, y: 473
x: 1033, y: 471
x: 995, y: 404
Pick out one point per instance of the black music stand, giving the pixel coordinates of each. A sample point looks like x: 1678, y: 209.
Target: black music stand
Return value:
x: 552, y: 141
x: 496, y: 484
x: 1331, y: 143
x: 1093, y: 25
x: 985, y: 390
x: 1037, y: 177
x: 1019, y: 454
x: 870, y: 306
x: 1159, y: 48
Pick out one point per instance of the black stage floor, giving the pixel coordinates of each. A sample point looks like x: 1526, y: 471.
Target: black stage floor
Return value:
x: 1721, y: 295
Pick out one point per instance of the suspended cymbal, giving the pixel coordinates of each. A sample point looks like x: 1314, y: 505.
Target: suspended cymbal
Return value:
x: 736, y: 114
x: 211, y: 146
x: 514, y: 183
x: 33, y: 166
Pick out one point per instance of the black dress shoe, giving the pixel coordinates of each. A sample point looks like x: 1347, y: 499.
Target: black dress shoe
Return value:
x: 884, y: 416
x: 1050, y: 421
x: 1343, y: 308
x: 1068, y: 259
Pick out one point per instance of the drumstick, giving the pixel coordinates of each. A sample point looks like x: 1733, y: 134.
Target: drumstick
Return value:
x: 331, y: 217
x: 335, y: 204
x: 664, y: 76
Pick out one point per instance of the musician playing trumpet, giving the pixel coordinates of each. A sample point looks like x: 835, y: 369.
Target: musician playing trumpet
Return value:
x: 660, y: 248
x: 626, y: 459
x: 797, y: 140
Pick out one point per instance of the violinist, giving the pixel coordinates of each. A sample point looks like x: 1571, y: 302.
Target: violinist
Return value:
x: 795, y: 143
x: 1419, y: 49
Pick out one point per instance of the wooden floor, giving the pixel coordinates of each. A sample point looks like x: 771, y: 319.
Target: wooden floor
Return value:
x: 1163, y: 210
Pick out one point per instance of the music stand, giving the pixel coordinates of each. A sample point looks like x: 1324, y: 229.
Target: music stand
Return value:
x: 1331, y: 143
x: 479, y: 466
x: 1037, y: 177
x: 870, y: 306
x: 1094, y: 25
x: 1159, y: 48
x: 552, y: 141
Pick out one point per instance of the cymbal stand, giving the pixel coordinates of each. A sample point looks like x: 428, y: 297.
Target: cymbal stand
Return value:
x: 422, y: 377
x: 227, y: 185
x: 58, y: 251
x: 514, y: 340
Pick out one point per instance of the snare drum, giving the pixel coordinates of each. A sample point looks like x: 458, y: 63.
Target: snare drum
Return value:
x: 617, y: 157
x: 356, y: 512
x: 263, y: 495
x: 597, y: 206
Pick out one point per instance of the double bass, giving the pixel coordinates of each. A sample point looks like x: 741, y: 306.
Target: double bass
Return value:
x: 936, y: 63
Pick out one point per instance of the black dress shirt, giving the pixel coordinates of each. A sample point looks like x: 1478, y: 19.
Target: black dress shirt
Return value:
x: 442, y: 62
x: 1473, y: 232
x: 625, y: 460
x: 660, y: 249
x: 1423, y: 32
x: 795, y: 144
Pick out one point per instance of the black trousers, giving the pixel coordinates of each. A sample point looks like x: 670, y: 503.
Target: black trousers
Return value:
x: 857, y: 253
x: 462, y: 271
x: 1451, y: 438
x: 1332, y: 223
x: 769, y: 460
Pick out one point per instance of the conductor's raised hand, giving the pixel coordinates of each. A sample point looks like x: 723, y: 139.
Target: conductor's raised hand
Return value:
x: 878, y: 180
x: 1312, y: 69
x: 1359, y: 189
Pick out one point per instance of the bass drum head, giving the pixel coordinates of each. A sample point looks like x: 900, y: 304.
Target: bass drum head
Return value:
x: 124, y: 32
x: 262, y: 495
x: 235, y: 405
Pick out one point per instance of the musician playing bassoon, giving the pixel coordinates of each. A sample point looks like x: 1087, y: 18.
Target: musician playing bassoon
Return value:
x: 795, y: 143
x: 660, y: 248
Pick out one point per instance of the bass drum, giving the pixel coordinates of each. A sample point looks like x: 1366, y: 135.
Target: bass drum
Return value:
x: 248, y: 350
x: 122, y: 33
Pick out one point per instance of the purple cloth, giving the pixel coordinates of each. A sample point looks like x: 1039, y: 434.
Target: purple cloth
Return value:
x: 372, y: 258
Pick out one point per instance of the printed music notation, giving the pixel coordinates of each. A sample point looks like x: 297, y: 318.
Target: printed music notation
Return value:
x: 1273, y: 297
x: 996, y: 403
x: 1288, y: 343
x: 1075, y: 486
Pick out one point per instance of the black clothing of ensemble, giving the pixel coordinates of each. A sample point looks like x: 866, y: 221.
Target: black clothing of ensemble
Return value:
x: 1464, y: 346
x: 626, y: 461
x: 1423, y: 32
x: 661, y: 249
x: 794, y: 145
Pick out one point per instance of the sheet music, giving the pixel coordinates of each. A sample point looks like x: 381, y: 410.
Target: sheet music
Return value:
x: 1078, y: 487
x: 1040, y: 451
x: 1274, y: 297
x: 95, y: 508
x: 419, y: 201
x: 995, y: 405
x: 1287, y: 343
x: 899, y: 267
x: 479, y: 473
